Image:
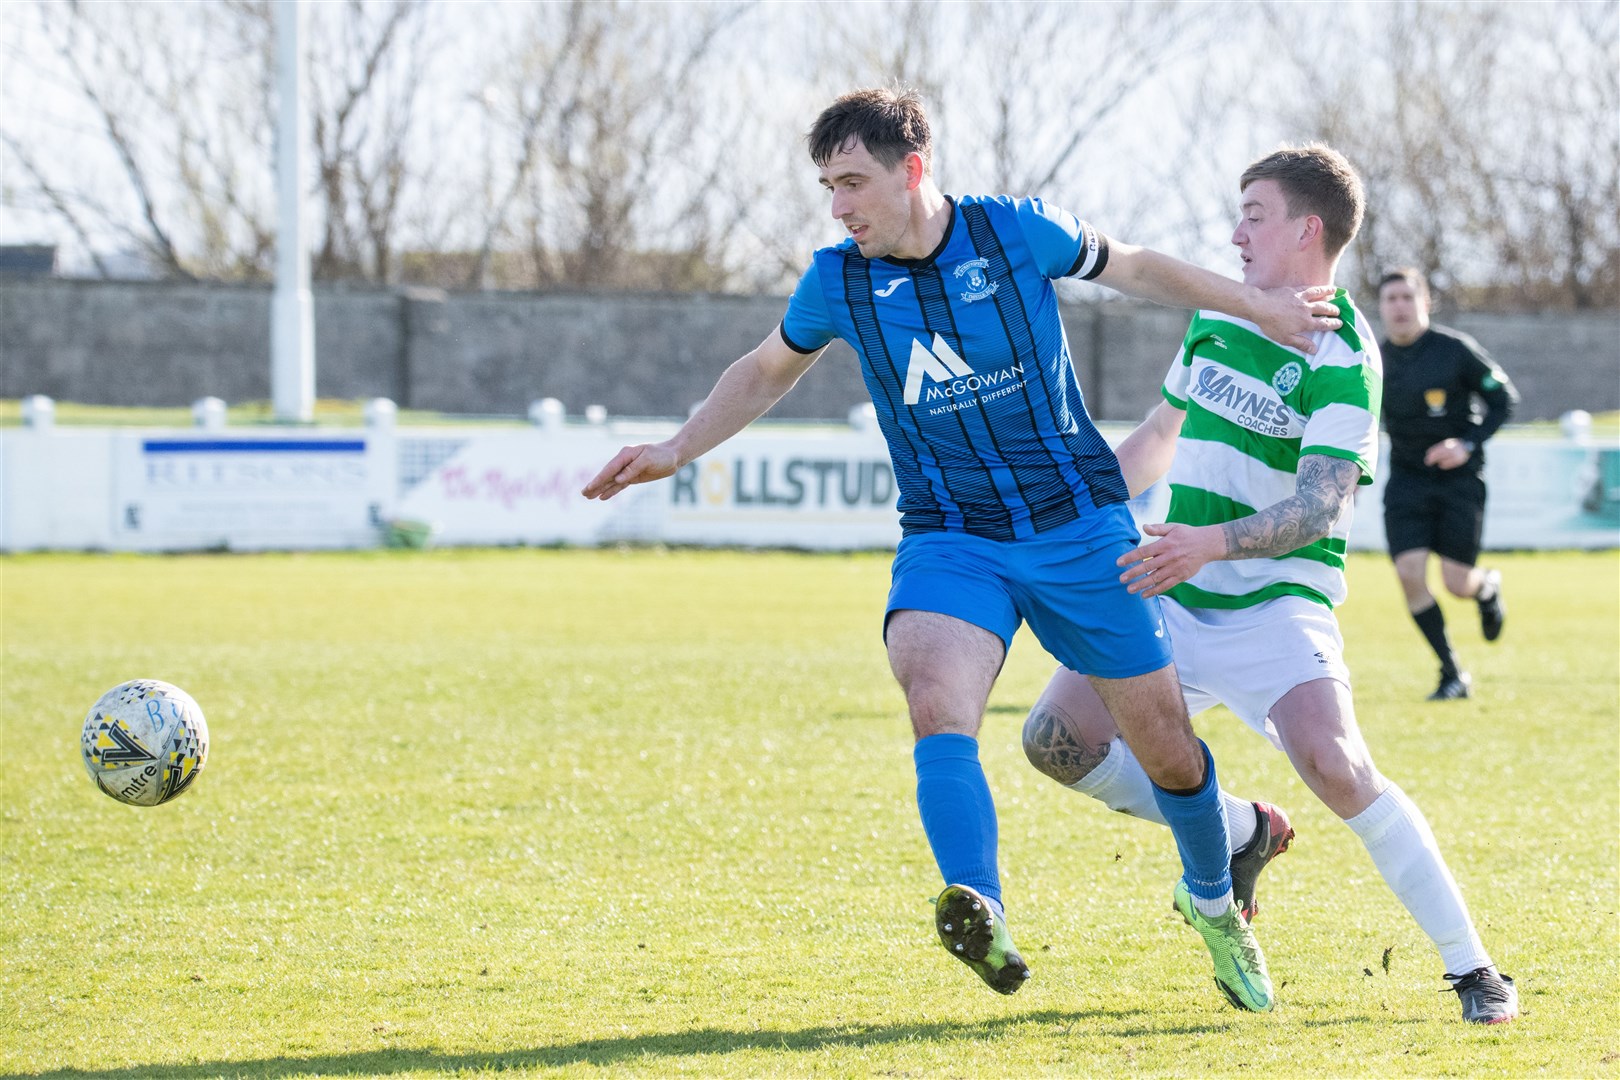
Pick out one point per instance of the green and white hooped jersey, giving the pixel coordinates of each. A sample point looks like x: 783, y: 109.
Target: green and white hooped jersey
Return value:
x: 1254, y: 408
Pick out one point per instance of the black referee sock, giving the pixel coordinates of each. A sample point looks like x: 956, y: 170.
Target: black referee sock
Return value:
x: 1433, y: 624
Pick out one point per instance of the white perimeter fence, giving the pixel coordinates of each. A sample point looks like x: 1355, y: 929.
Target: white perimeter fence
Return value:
x: 211, y: 487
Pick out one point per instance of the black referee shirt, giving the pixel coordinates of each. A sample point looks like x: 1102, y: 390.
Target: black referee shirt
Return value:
x: 1442, y: 386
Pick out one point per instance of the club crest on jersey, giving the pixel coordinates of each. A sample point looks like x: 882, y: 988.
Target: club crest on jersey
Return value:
x: 1286, y: 378
x: 978, y: 285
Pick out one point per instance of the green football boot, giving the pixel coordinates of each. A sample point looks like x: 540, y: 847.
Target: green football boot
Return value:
x: 975, y: 934
x: 1240, y: 966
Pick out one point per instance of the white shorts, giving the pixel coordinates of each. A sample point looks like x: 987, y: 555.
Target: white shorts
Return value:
x: 1248, y: 658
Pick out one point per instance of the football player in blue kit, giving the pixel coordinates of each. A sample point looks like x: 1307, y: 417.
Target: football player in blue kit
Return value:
x: 1012, y: 507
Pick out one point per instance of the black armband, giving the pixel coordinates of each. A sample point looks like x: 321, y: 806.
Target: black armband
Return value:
x: 1093, y: 257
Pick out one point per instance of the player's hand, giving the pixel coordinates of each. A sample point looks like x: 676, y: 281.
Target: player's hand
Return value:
x: 1448, y: 454
x: 632, y: 465
x: 1182, y: 550
x: 1291, y: 315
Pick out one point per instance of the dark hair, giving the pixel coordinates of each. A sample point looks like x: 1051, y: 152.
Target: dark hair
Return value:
x: 889, y: 123
x: 1409, y: 274
x: 1315, y: 179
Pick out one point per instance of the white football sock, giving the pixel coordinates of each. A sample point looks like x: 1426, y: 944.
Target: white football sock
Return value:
x: 1403, y: 848
x: 1215, y: 908
x: 1120, y: 784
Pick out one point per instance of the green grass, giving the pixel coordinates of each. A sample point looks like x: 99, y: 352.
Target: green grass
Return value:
x: 651, y: 813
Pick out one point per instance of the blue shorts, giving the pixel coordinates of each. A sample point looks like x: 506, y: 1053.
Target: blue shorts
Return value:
x: 1063, y: 583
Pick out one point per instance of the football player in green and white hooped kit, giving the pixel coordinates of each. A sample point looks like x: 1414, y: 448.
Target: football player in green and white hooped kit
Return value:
x: 1265, y: 446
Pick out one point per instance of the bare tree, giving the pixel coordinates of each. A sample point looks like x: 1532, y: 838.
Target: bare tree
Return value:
x: 180, y: 127
x: 366, y: 68
x: 188, y: 127
x: 1092, y: 63
x: 608, y: 143
x: 62, y: 202
x: 1486, y: 136
x: 602, y: 110
x: 1560, y: 245
x: 527, y: 110
x: 1040, y: 98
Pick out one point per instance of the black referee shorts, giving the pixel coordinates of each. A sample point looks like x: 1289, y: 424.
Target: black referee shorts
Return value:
x: 1441, y: 511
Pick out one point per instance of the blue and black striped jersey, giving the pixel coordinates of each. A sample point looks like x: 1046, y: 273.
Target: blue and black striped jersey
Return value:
x: 967, y: 363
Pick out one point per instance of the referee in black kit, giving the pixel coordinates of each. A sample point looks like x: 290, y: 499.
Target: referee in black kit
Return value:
x: 1435, y: 382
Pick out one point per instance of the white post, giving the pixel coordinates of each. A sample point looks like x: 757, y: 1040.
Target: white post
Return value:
x: 1577, y: 426
x: 381, y: 412
x: 38, y: 412
x: 547, y: 414
x: 292, y: 322
x: 208, y: 413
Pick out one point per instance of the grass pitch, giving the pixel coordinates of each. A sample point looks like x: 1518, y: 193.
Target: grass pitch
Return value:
x: 651, y: 813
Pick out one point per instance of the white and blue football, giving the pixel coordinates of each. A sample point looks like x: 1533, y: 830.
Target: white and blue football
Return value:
x: 144, y: 742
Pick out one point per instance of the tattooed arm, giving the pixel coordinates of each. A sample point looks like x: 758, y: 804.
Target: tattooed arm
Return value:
x: 1322, y: 489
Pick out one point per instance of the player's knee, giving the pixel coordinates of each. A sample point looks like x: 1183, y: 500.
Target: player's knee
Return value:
x: 1054, y: 750
x: 1038, y: 746
x: 1344, y: 781
x: 1412, y: 576
x: 940, y: 713
x: 1414, y: 588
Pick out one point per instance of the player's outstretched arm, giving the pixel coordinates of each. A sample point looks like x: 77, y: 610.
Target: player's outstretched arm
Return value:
x: 1323, y: 487
x: 1286, y: 315
x: 1146, y: 453
x: 745, y: 390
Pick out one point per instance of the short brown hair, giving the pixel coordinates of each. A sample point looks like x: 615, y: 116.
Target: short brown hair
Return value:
x: 1409, y: 274
x: 889, y: 123
x: 1315, y: 179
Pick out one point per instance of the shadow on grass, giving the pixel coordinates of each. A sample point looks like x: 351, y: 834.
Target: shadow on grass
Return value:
x: 598, y: 1052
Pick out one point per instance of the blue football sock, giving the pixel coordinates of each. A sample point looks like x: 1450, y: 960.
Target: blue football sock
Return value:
x: 957, y: 812
x: 1199, y: 824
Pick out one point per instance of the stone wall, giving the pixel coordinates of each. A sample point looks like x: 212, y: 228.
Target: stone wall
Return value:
x: 144, y: 343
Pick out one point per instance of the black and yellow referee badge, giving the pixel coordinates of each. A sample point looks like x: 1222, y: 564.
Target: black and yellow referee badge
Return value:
x: 1435, y: 399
